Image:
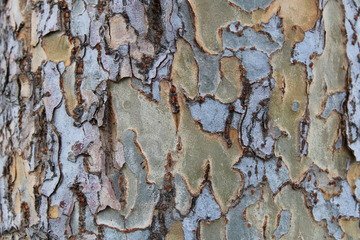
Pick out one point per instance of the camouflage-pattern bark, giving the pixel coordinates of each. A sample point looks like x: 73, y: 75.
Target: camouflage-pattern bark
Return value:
x: 179, y: 119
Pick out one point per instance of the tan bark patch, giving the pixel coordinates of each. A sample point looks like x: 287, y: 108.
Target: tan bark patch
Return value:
x: 57, y: 47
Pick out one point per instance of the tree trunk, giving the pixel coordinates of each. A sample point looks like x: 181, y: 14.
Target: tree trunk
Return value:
x: 179, y: 119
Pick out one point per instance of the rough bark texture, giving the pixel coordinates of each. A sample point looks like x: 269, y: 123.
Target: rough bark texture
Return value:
x: 179, y: 119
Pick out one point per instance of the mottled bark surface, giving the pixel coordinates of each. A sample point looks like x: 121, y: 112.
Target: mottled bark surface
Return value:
x: 179, y: 119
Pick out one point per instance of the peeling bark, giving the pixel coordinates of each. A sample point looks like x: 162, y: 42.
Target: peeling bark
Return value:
x: 179, y: 119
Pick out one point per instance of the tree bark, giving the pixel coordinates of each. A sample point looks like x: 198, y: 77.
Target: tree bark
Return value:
x: 179, y: 119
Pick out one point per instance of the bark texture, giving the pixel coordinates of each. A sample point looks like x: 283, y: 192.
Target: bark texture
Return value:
x: 179, y: 119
